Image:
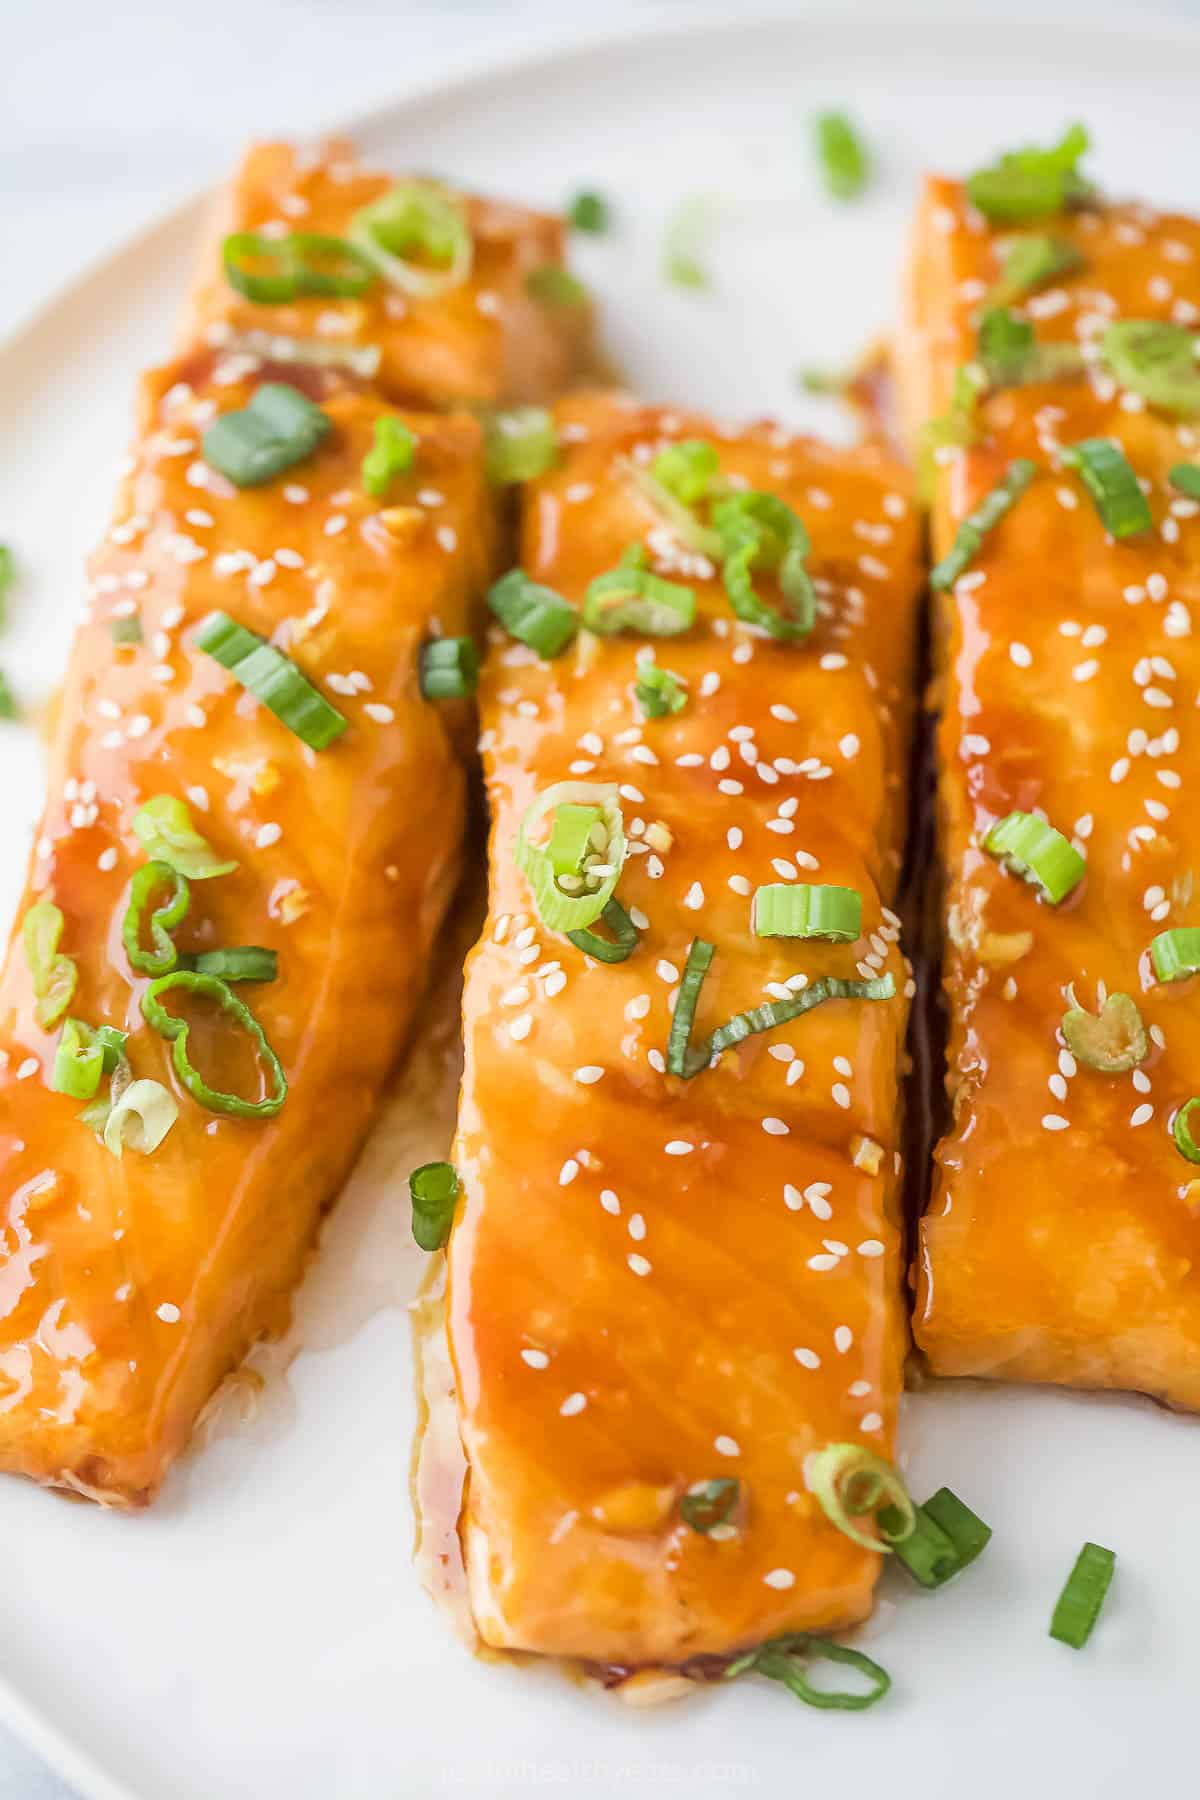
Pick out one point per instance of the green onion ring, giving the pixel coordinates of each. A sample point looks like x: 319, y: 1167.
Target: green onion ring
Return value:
x: 433, y: 1190
x: 556, y: 909
x: 1181, y: 1131
x: 421, y: 216
x: 760, y: 530
x: 55, y: 976
x: 163, y: 956
x: 710, y: 1503
x: 176, y: 1031
x: 624, y: 941
x: 302, y: 263
x: 1175, y: 954
x: 850, y: 1479
x: 785, y: 1658
x: 1080, y: 1602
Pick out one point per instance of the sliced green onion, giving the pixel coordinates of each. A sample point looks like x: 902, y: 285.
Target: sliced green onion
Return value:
x: 687, y: 469
x: 8, y: 575
x: 273, y: 270
x: 1039, y: 854
x: 659, y: 691
x: 1157, y: 361
x: 245, y: 962
x: 1012, y: 356
x: 686, y: 239
x: 163, y: 956
x: 631, y: 598
x: 536, y: 615
x: 434, y: 1192
x: 1079, y: 1603
x: 785, y: 1659
x: 1185, y: 478
x: 692, y: 533
x: 164, y: 829
x: 1181, y: 1131
x: 279, y: 428
x: 1029, y: 184
x: 449, y: 668
x: 710, y: 1503
x: 833, y: 383
x: 555, y: 286
x: 802, y: 910
x: 272, y: 678
x: 177, y: 1031
x: 1113, y: 1041
x: 572, y: 902
x: 1112, y: 485
x: 8, y: 705
x: 849, y: 1480
x: 845, y: 163
x: 1176, y: 953
x: 946, y: 1537
x: 140, y: 1119
x: 393, y: 453
x: 968, y: 539
x: 418, y: 237
x: 1030, y: 263
x: 687, y: 1061
x: 617, y: 949
x: 761, y: 531
x: 589, y: 212
x: 571, y: 836
x: 521, y: 444
x: 55, y: 976
x: 126, y: 630
x: 952, y: 430
x: 83, y: 1055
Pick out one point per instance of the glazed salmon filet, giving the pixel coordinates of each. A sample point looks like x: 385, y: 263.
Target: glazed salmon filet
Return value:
x: 129, y: 1287
x: 656, y: 1282
x: 1061, y: 1240
x: 489, y: 340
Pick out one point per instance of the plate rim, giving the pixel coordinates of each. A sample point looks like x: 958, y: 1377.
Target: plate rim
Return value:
x: 468, y: 75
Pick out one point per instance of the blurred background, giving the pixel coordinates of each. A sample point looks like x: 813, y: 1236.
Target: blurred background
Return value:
x: 109, y: 115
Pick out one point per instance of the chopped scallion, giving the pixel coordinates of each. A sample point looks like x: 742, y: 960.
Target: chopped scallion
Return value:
x: 1031, y: 183
x: 659, y: 691
x: 1038, y: 853
x: 449, y: 668
x: 1157, y: 361
x: 272, y: 271
x: 1079, y: 1603
x: 556, y: 286
x: 83, y: 1055
x: 1030, y: 263
x: 164, y: 829
x: 272, y: 678
x: 1112, y: 484
x: 433, y: 1189
x: 849, y: 1481
x: 279, y: 428
x: 589, y: 212
x: 571, y: 902
x: 1181, y: 1131
x: 687, y: 469
x: 571, y: 836
x: 617, y: 949
x: 521, y: 445
x: 177, y: 1032
x: 845, y: 162
x: 127, y: 629
x: 156, y: 878
x: 393, y: 453
x: 245, y: 962
x: 760, y: 531
x: 686, y: 239
x: 418, y: 237
x: 534, y: 614
x: 631, y: 598
x: 968, y: 539
x: 1012, y: 356
x: 1185, y: 478
x: 1113, y: 1041
x: 1176, y: 954
x: 710, y: 1503
x: 55, y: 976
x: 946, y: 1538
x: 140, y: 1119
x: 786, y: 1659
x: 804, y: 910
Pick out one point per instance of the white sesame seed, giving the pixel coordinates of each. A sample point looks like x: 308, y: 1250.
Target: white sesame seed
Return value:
x: 871, y: 1247
x: 266, y: 835
x: 775, y: 1127
x: 609, y: 1202
x: 843, y: 1337
x: 589, y: 1075
x: 822, y: 1264
x: 871, y: 1421
x: 1141, y: 1115
x: 1054, y: 1122
x: 520, y: 1028
x: 169, y: 1314
x: 574, y: 1403
x: 808, y: 1359
x: 779, y: 1578
x: 666, y: 971
x: 841, y: 1094
x: 694, y: 898
x: 537, y: 1359
x: 1021, y: 655
x: 568, y: 1172
x: 107, y: 860
x: 726, y: 1446
x: 678, y: 1147
x: 638, y: 1263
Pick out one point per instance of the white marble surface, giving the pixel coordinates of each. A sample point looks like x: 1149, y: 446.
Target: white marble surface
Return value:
x: 110, y: 114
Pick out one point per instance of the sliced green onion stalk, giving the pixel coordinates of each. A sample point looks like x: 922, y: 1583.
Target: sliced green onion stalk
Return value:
x: 433, y: 1189
x: 272, y: 271
x: 1112, y: 484
x: 787, y: 1659
x: 955, y: 429
x: 1157, y: 361
x: 272, y: 678
x: 1079, y: 1604
x: 631, y: 598
x: 390, y: 456
x: 571, y: 902
x: 834, y: 384
x: 571, y: 836
x: 1012, y: 356
x: 686, y: 1061
x: 688, y: 470
x: 946, y: 1537
x: 127, y: 629
x: 84, y: 1055
x: 55, y: 976
x: 849, y: 1481
x: 842, y: 154
x: 418, y: 238
x: 659, y: 691
x: 140, y: 1119
x: 968, y: 539
x: 555, y: 286
x: 589, y: 212
x: 177, y: 1031
x: 760, y: 531
x: 8, y: 705
x: 801, y: 910
x: 279, y: 428
x: 682, y: 520
x: 686, y: 240
x: 710, y: 1503
x: 1113, y: 1041
x: 615, y: 949
x: 1039, y: 854
x: 162, y: 955
x: 1181, y: 1131
x: 244, y: 962
x: 1029, y: 263
x: 520, y: 445
x: 533, y: 614
x: 1185, y: 479
x: 449, y: 668
x: 164, y: 829
x: 1031, y: 183
x: 1176, y: 954
x: 8, y: 576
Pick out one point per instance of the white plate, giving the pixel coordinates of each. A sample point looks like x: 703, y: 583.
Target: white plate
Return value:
x: 261, y: 1632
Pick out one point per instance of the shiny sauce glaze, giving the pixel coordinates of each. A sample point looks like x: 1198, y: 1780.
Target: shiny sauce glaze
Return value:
x: 655, y: 1282
x: 1062, y: 1242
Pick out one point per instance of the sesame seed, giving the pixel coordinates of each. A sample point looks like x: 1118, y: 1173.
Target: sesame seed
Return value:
x: 775, y: 1127
x: 779, y: 1578
x: 537, y: 1359
x: 1141, y: 1115
x: 589, y: 1075
x: 822, y: 1264
x: 871, y: 1421
x: 1054, y: 1122
x: 609, y: 1202
x: 679, y: 1147
x: 107, y: 860
x: 808, y: 1359
x: 520, y: 1028
x: 382, y: 715
x: 841, y: 1094
x: 843, y: 1338
x: 726, y: 1446
x: 574, y: 1403
x: 871, y: 1247
x: 29, y: 1067
x: 169, y: 1314
x: 266, y: 835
